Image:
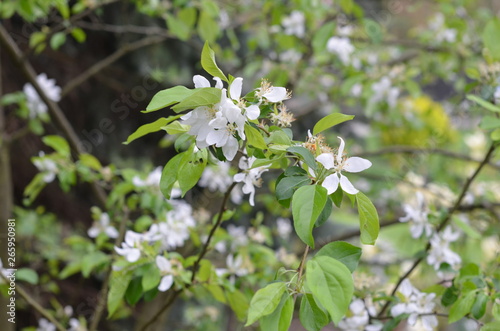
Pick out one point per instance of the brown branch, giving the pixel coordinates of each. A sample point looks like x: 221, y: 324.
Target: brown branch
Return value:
x: 102, y: 296
x: 418, y: 150
x: 55, y: 111
x: 196, y: 264
x: 122, y: 29
x: 33, y: 303
x: 443, y: 223
x: 96, y: 68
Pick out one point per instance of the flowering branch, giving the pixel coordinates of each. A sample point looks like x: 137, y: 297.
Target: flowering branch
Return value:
x: 196, y: 264
x: 35, y: 304
x: 444, y: 222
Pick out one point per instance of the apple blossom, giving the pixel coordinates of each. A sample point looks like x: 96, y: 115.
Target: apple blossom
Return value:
x: 102, y: 226
x: 166, y: 271
x: 250, y: 177
x: 35, y: 104
x: 417, y: 217
x: 339, y: 163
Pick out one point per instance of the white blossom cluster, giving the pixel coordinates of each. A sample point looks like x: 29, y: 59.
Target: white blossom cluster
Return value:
x: 358, y: 317
x: 35, y: 104
x: 47, y: 166
x: 418, y: 305
x: 218, y: 125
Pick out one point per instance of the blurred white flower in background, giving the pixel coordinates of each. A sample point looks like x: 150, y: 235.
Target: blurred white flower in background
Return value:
x: 46, y: 166
x: 294, y: 24
x: 35, y: 104
x: 165, y: 268
x: 234, y: 268
x: 284, y: 227
x: 102, y: 226
x: 383, y: 91
x: 45, y: 325
x: 152, y: 180
x: 417, y: 216
x: 358, y: 317
x: 440, y: 251
x: 131, y: 247
x: 342, y: 47
x: 216, y: 177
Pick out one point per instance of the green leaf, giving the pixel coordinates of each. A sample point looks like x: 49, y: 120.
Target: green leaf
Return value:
x: 27, y: 275
x: 238, y: 303
x: 117, y: 288
x: 208, y: 62
x: 169, y: 174
x: 254, y: 137
x: 492, y: 326
x: 287, y: 185
x: 312, y: 317
x: 92, y: 260
x: 483, y: 103
x: 208, y: 28
x: 329, y: 121
x: 78, y: 34
x: 344, y: 252
x: 495, y: 310
x: 461, y: 307
x: 450, y: 295
x: 175, y: 128
x: 206, y: 96
x: 57, y: 40
x: 281, y: 318
x: 491, y: 40
x: 58, y: 143
x: 307, y: 204
x: 178, y: 27
x: 216, y: 292
x: 368, y: 219
x: 151, y: 278
x: 150, y: 127
x: 331, y: 285
x: 479, y: 307
x: 134, y: 291
x: 168, y: 97
x: 265, y: 301
x: 325, y: 213
x: 305, y: 154
x: 71, y: 269
x: 321, y: 37
x: 337, y: 197
x: 466, y: 228
x: 90, y: 161
x: 495, y: 135
x: 190, y: 169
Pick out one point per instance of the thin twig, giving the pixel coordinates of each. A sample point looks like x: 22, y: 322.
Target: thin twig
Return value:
x: 196, y: 264
x: 443, y: 223
x: 96, y: 68
x: 55, y: 112
x: 418, y: 150
x: 102, y: 296
x: 302, y: 263
x: 33, y: 303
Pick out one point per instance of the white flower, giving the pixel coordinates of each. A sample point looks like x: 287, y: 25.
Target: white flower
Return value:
x: 294, y: 24
x: 440, y: 251
x: 35, y: 104
x: 271, y: 93
x: 496, y: 95
x: 238, y: 235
x: 234, y: 268
x: 102, y: 226
x: 383, y: 91
x: 284, y: 227
x: 6, y: 272
x: 342, y: 47
x: 339, y: 163
x: 46, y: 166
x: 45, y: 325
x: 166, y: 271
x: 419, y: 305
x: 417, y: 217
x: 131, y: 247
x: 75, y: 325
x: 153, y: 179
x: 200, y: 82
x: 356, y: 90
x: 250, y: 177
x: 216, y: 177
x: 358, y: 318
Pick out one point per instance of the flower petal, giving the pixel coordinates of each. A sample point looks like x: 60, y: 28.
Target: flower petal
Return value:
x: 163, y: 264
x: 331, y: 183
x: 252, y: 112
x: 133, y: 255
x: 346, y: 185
x: 356, y: 164
x: 340, y: 152
x: 235, y: 88
x: 218, y: 83
x: 326, y: 159
x: 277, y: 94
x: 200, y: 81
x: 166, y: 283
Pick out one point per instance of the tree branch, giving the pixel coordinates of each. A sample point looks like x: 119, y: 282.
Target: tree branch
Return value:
x: 110, y: 59
x: 33, y: 303
x: 443, y: 223
x: 196, y: 264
